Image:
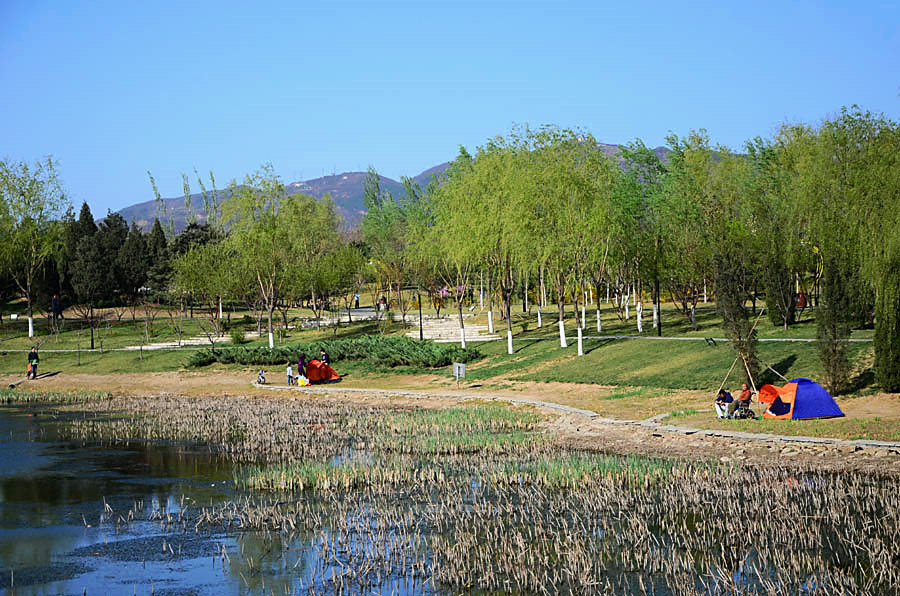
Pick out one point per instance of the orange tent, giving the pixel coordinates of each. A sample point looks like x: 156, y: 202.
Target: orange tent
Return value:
x: 318, y: 371
x: 797, y: 400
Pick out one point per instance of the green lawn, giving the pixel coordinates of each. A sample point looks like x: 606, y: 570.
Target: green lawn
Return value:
x: 696, y: 365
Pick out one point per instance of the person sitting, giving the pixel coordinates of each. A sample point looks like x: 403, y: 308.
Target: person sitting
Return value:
x: 743, y: 400
x: 325, y: 358
x: 723, y: 401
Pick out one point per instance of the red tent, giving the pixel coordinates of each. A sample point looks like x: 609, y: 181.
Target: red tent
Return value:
x: 318, y: 371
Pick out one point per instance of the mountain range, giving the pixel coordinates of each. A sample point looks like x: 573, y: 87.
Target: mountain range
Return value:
x: 347, y: 190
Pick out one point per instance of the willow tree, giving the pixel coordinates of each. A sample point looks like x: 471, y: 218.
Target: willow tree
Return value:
x: 210, y: 272
x: 34, y: 203
x: 260, y: 236
x: 642, y: 229
x: 384, y: 231
x: 440, y: 232
x: 311, y: 271
x: 687, y: 259
x: 571, y: 186
x: 850, y: 177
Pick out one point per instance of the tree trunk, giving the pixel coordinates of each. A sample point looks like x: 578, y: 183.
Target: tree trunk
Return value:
x: 31, y: 318
x: 462, y: 325
x: 509, y: 344
x: 560, y: 300
x: 271, y: 310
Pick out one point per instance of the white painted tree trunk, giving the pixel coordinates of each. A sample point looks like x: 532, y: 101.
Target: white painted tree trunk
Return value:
x: 509, y: 349
x: 540, y: 320
x: 655, y: 317
x: 271, y: 340
x: 704, y: 291
x: 562, y: 335
x: 633, y: 295
x: 220, y: 308
x: 481, y: 293
x: 490, y: 321
x: 580, y: 343
x: 582, y: 318
x: 607, y: 293
x: 543, y: 290
x: 462, y: 336
x: 627, y: 315
x: 599, y: 324
x: 591, y: 293
x: 640, y: 317
x: 31, y: 326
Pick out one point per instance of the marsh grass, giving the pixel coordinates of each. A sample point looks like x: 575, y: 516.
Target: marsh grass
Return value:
x: 532, y: 518
x: 18, y: 396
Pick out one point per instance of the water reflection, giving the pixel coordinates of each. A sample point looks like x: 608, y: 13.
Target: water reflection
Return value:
x: 53, y: 539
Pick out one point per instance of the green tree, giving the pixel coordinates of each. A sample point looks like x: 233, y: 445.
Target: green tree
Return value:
x: 133, y: 265
x: 35, y: 203
x: 159, y: 273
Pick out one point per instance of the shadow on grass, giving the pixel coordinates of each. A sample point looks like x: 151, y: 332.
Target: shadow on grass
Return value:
x: 862, y: 381
x: 591, y: 345
x: 782, y: 367
x: 524, y: 344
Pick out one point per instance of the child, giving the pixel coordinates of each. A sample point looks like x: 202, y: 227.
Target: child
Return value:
x: 261, y: 377
x: 290, y: 374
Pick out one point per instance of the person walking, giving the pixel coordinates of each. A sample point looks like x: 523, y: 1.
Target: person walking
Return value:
x: 33, y: 360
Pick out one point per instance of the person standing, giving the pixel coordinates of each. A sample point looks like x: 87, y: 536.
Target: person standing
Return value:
x: 290, y: 374
x: 56, y: 308
x: 356, y: 301
x: 33, y: 360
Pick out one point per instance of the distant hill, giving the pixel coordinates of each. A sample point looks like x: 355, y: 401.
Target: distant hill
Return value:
x: 346, y: 189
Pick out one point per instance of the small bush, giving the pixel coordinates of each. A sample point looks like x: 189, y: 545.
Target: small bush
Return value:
x: 238, y: 336
x: 378, y: 350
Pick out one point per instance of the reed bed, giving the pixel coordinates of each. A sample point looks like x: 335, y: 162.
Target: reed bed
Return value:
x: 358, y: 502
x: 20, y: 396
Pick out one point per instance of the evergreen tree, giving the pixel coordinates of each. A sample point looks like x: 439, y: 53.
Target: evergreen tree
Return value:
x: 111, y: 235
x: 159, y: 273
x: 833, y: 326
x: 133, y: 263
x: 92, y: 276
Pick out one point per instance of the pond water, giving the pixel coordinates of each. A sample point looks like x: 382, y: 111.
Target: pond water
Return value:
x: 60, y: 501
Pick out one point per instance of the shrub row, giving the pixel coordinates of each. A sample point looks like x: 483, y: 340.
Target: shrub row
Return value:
x: 377, y: 349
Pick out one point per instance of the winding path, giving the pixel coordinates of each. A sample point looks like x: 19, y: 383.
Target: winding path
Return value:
x: 655, y: 423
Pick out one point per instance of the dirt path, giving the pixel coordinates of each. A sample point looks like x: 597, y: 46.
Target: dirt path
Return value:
x: 573, y: 415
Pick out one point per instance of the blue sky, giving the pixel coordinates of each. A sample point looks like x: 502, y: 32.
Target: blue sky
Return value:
x: 113, y: 89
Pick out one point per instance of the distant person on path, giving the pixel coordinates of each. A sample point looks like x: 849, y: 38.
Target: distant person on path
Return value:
x: 290, y: 374
x: 33, y: 360
x: 56, y: 308
x: 744, y: 398
x: 356, y: 301
x: 326, y: 359
x: 723, y: 401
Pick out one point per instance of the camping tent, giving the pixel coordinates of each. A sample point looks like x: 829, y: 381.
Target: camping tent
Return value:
x: 318, y: 371
x: 798, y: 400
